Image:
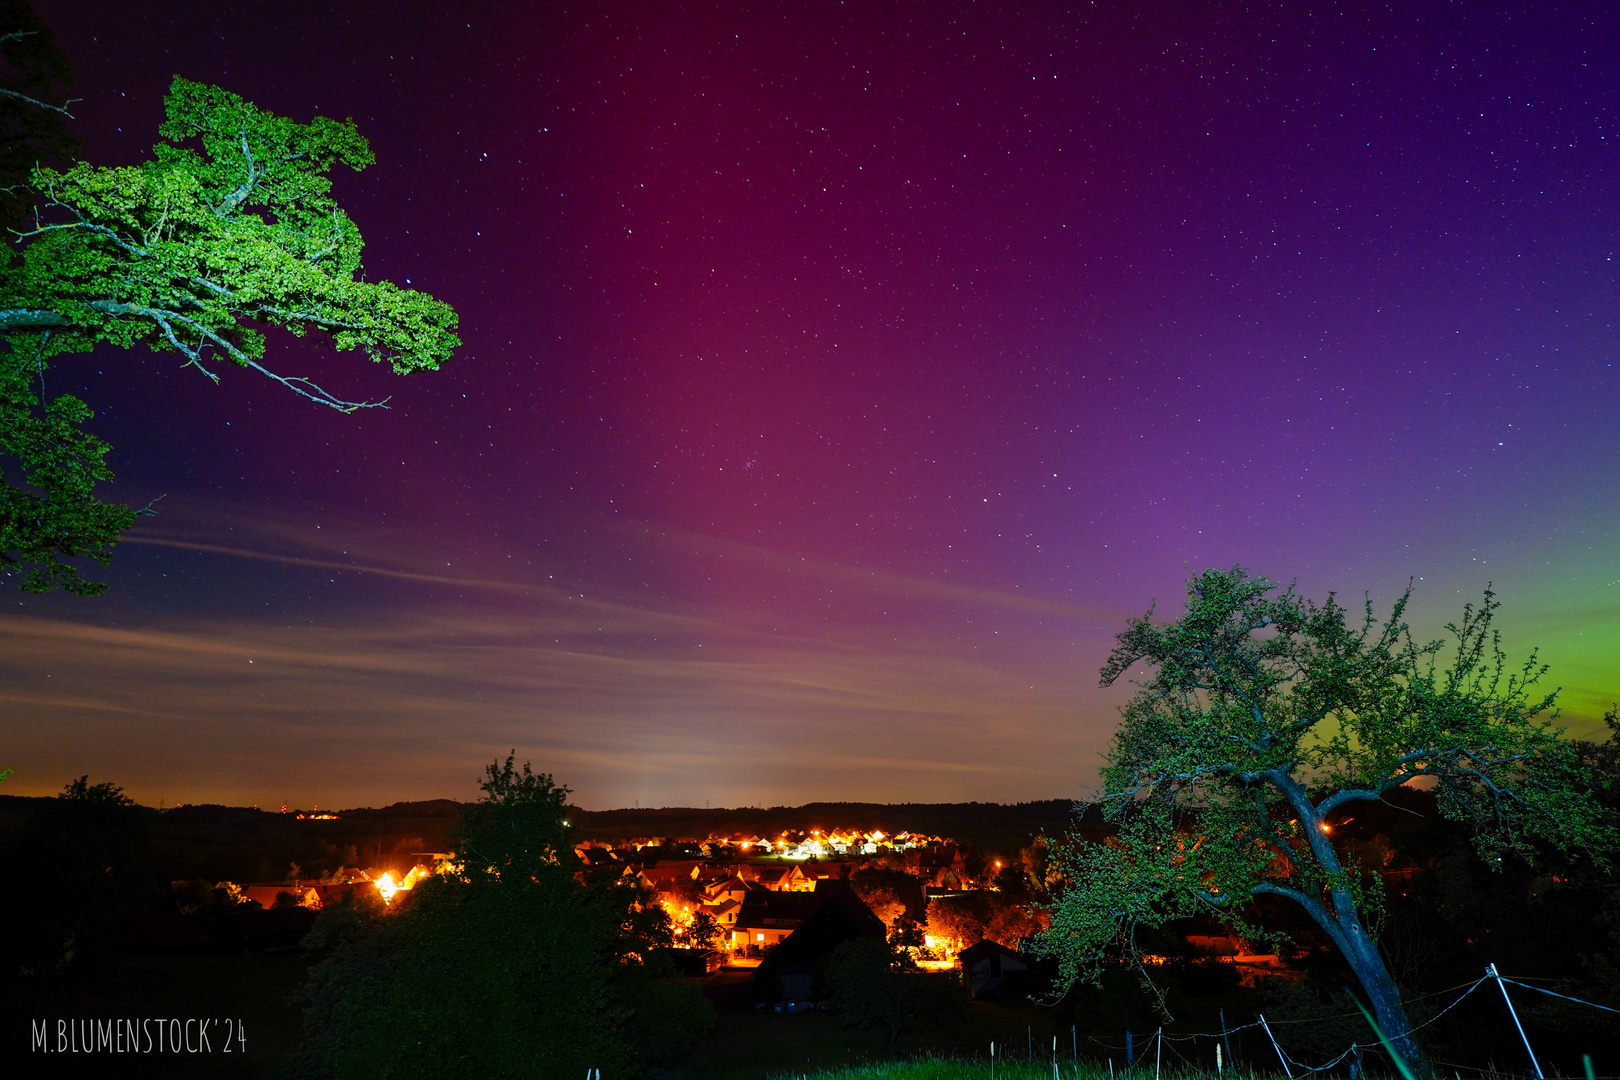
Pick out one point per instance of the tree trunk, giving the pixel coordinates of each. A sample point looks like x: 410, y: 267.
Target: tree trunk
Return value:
x: 1383, y: 995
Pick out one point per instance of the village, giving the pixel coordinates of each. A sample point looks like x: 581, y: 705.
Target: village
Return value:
x: 745, y: 902
x: 742, y: 896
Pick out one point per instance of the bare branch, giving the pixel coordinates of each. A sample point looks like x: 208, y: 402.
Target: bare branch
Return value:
x: 35, y: 101
x: 296, y: 383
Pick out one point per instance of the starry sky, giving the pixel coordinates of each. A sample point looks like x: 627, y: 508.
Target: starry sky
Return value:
x: 838, y: 378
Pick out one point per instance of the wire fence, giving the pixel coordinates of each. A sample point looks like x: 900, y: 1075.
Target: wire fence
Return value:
x: 1181, y: 1047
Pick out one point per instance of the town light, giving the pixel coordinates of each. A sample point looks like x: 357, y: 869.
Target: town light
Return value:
x: 386, y: 886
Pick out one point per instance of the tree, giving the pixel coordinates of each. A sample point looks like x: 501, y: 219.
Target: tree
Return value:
x: 883, y: 889
x: 702, y: 932
x: 519, y: 964
x: 1267, y: 717
x: 34, y: 76
x: 229, y: 228
x: 89, y: 848
x: 874, y: 984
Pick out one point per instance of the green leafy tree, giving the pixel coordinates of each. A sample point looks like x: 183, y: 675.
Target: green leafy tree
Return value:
x: 874, y: 984
x: 1269, y: 715
x: 229, y: 229
x: 517, y: 965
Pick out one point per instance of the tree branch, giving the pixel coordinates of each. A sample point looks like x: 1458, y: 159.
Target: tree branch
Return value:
x: 32, y: 318
x: 296, y: 383
x: 35, y: 101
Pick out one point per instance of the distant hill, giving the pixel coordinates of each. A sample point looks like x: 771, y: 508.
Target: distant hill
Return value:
x: 236, y: 843
x: 995, y: 827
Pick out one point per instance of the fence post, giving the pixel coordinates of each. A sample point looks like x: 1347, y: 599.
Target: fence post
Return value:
x: 1227, y: 1040
x: 1490, y: 969
x: 1280, y: 1055
x: 1130, y: 1050
x: 1158, y: 1051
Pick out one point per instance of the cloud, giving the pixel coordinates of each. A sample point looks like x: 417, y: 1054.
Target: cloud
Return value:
x: 659, y: 696
x: 412, y: 703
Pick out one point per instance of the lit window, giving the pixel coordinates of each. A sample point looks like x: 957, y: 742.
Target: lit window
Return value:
x: 761, y: 937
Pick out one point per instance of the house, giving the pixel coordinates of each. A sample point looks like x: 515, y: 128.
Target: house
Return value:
x: 786, y: 879
x: 332, y: 894
x: 724, y: 915
x: 990, y: 968
x: 667, y: 875
x: 1223, y: 945
x: 792, y: 971
x: 268, y: 895
x: 729, y: 888
x: 766, y: 918
x: 594, y: 856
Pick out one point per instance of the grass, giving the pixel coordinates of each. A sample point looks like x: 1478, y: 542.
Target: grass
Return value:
x: 939, y: 1068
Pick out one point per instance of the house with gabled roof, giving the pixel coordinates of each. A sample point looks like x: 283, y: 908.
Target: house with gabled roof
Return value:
x: 786, y: 879
x: 765, y: 918
x: 724, y: 913
x: 730, y: 888
x: 792, y: 971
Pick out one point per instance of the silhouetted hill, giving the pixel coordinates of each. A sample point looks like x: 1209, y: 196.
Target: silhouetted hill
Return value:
x: 995, y: 827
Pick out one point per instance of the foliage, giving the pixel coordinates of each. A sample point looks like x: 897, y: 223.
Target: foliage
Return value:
x: 970, y: 918
x: 1601, y: 760
x: 873, y: 984
x: 1041, y: 876
x: 90, y: 845
x: 907, y: 935
x: 355, y: 914
x: 702, y: 932
x: 518, y: 965
x: 228, y: 229
x: 1266, y: 718
x: 883, y: 889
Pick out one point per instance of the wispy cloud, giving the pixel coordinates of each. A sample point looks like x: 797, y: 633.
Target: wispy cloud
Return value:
x: 412, y: 704
x: 651, y: 697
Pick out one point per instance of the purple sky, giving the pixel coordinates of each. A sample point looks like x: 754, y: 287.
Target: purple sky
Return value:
x: 837, y: 380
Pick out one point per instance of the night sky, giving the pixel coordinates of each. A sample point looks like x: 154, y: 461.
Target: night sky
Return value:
x: 837, y: 379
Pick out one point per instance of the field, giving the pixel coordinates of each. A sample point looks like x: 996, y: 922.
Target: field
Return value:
x: 750, y: 1045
